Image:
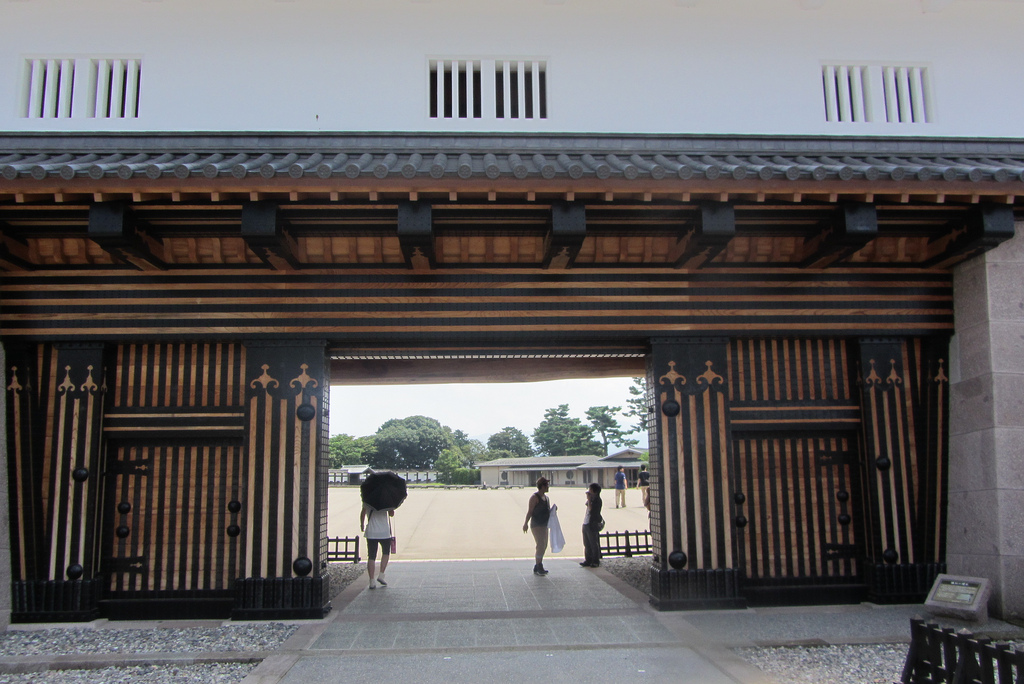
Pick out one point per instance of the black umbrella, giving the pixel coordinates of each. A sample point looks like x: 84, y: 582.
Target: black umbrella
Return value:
x: 383, y: 490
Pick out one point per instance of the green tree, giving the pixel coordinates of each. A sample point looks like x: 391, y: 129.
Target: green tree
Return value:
x: 606, y: 426
x: 414, y: 442
x: 636, y: 406
x: 560, y: 435
x: 343, y: 450
x: 450, y: 461
x: 474, y: 451
x: 512, y: 440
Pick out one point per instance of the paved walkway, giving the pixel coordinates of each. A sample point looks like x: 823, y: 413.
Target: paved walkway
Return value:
x: 495, y: 621
x: 451, y: 621
x: 456, y: 621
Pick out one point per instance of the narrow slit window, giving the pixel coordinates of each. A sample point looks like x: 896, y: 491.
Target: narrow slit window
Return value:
x: 455, y: 89
x: 464, y: 89
x: 48, y: 89
x: 851, y: 94
x: 115, y: 88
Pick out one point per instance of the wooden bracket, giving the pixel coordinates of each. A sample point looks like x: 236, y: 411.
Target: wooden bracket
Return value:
x: 853, y: 226
x: 986, y: 226
x: 716, y: 226
x: 265, y: 234
x: 416, y: 235
x: 568, y: 231
x: 111, y: 226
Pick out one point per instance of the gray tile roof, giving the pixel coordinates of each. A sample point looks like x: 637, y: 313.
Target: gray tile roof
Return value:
x: 519, y: 157
x: 540, y: 462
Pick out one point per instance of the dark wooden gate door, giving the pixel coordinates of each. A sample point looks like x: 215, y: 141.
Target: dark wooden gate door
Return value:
x: 801, y: 541
x: 168, y: 534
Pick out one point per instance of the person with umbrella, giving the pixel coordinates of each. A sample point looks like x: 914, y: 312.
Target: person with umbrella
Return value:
x: 382, y: 493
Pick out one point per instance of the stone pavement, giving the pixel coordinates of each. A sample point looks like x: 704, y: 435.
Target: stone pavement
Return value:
x: 452, y: 621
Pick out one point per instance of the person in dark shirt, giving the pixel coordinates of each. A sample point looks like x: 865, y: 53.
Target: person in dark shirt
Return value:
x: 620, y: 488
x: 537, y: 522
x: 643, y: 483
x: 592, y: 528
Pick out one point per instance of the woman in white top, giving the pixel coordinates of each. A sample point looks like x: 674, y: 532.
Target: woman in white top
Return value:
x: 378, y: 533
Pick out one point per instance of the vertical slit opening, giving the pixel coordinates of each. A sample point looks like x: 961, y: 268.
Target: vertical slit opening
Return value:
x: 543, y: 81
x: 477, y: 92
x: 513, y: 93
x: 463, y: 95
x: 433, y: 91
x: 528, y: 88
x: 138, y: 88
x: 124, y: 91
x: 110, y: 91
x: 42, y: 89
x: 499, y: 91
x: 447, y: 93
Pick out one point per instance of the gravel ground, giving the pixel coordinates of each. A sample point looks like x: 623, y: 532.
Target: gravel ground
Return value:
x: 235, y: 637
x: 812, y: 665
x: 214, y: 673
x: 243, y: 637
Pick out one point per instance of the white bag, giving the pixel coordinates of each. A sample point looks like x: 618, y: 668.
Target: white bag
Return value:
x: 556, y: 537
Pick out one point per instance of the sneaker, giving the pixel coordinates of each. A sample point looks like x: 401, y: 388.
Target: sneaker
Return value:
x: 372, y: 586
x: 381, y: 580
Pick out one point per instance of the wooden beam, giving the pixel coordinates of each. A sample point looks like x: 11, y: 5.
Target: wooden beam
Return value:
x: 416, y: 235
x: 112, y: 228
x: 432, y: 371
x: 14, y: 254
x: 568, y: 231
x: 263, y: 232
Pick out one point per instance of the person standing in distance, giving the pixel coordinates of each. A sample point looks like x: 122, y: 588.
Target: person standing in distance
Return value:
x: 643, y: 483
x: 537, y: 522
x: 592, y: 527
x: 620, y: 488
x: 378, y: 533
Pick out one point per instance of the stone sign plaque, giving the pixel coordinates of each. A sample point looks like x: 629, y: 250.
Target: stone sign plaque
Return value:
x: 961, y: 597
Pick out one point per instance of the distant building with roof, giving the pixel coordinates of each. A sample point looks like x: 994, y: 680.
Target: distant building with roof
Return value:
x: 562, y: 471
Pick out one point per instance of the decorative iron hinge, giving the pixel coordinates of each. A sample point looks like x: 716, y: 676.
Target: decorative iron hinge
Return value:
x: 130, y: 564
x: 129, y: 467
x: 839, y: 551
x: 834, y: 458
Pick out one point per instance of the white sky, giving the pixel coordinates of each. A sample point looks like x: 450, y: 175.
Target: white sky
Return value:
x: 477, y: 410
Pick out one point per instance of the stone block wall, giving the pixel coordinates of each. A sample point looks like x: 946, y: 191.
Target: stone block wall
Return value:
x: 986, y: 474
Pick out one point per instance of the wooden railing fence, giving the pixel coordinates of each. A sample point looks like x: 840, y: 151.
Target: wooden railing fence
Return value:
x: 627, y: 544
x: 941, y: 655
x: 343, y: 549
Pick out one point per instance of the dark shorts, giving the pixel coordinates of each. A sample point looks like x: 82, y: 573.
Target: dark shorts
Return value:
x: 371, y: 548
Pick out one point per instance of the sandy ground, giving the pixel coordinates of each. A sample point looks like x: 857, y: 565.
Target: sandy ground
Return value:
x: 446, y: 524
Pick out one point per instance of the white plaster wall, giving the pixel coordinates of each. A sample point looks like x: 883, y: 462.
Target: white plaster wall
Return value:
x: 648, y: 66
x: 986, y: 477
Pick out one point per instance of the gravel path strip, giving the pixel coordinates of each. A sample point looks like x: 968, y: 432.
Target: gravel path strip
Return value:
x: 241, y: 637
